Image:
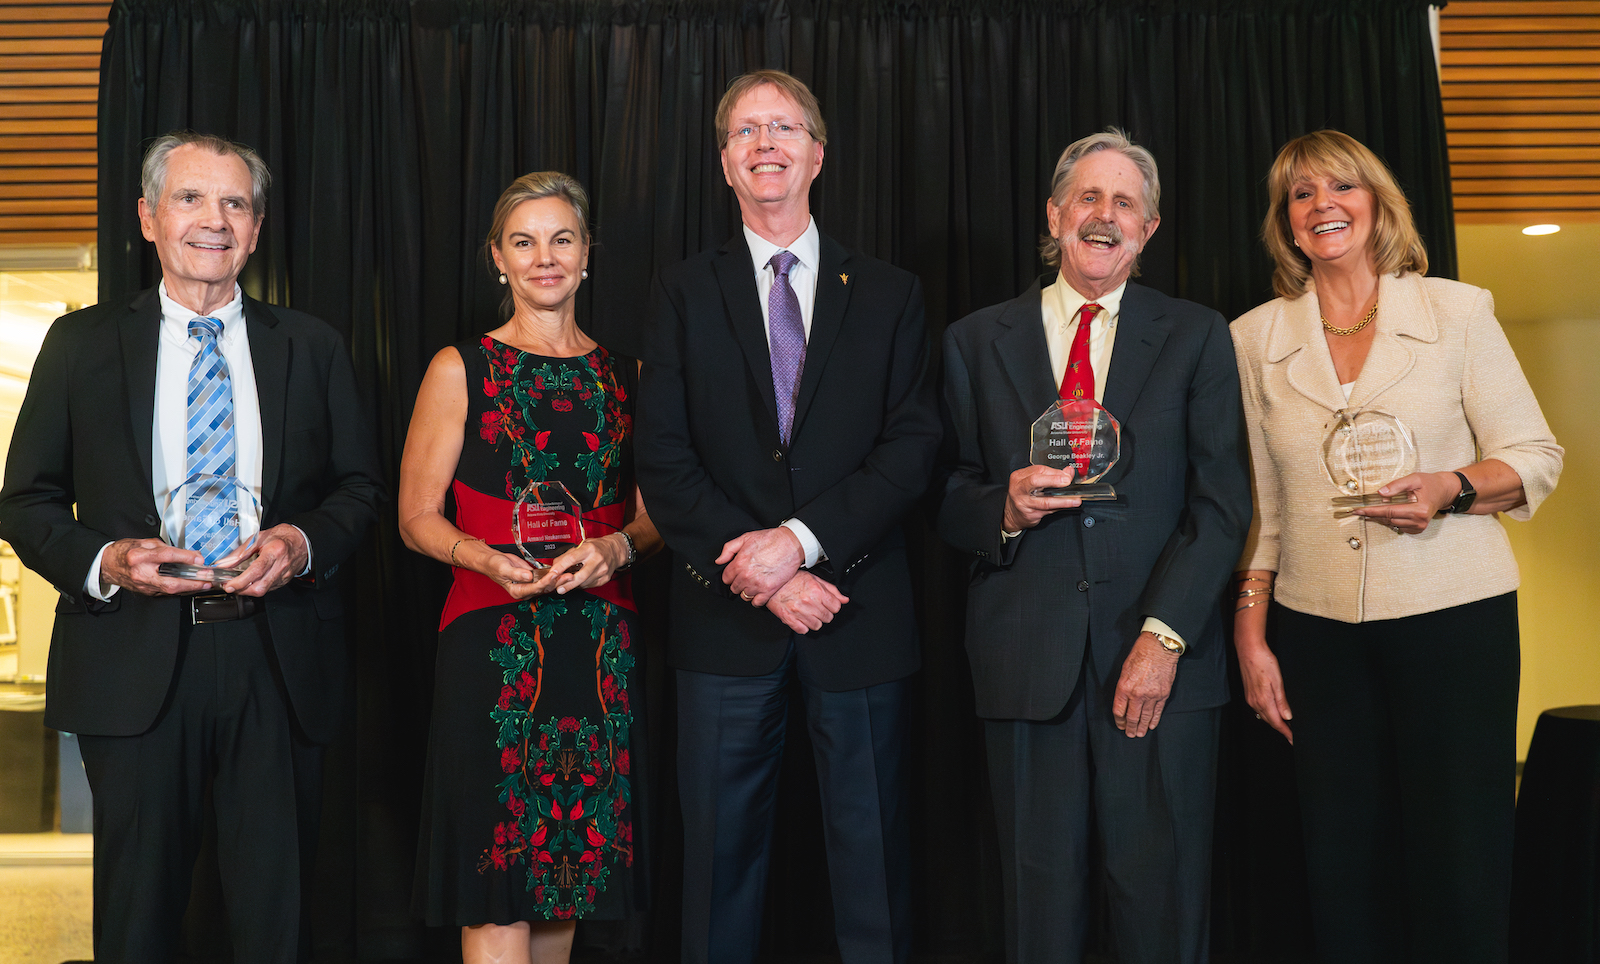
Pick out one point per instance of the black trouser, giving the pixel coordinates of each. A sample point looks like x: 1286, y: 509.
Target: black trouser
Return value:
x: 730, y: 745
x: 1405, y: 756
x: 1152, y: 799
x: 227, y: 722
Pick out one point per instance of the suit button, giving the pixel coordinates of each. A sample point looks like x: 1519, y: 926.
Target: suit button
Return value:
x: 1088, y: 522
x: 1083, y: 585
x: 151, y: 520
x: 1355, y: 543
x: 777, y: 455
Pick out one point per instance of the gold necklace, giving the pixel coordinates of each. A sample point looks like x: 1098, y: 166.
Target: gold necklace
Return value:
x: 1353, y: 328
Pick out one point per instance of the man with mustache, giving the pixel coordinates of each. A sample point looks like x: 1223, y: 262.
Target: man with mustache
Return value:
x: 1094, y: 628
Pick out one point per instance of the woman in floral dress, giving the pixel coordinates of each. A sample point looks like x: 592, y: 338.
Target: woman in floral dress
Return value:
x: 528, y: 819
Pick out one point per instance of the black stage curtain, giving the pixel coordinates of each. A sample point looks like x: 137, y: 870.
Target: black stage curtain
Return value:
x: 391, y: 128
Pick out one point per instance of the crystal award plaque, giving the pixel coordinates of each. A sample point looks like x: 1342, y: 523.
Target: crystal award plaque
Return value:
x: 1079, y: 434
x: 1364, y: 451
x: 546, y: 521
x: 207, y: 500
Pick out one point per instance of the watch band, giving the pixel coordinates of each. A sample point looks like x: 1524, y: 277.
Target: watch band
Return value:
x: 1175, y: 646
x: 1464, y: 501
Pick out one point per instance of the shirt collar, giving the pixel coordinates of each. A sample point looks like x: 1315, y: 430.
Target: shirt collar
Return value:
x: 231, y: 314
x: 807, y: 247
x: 1069, y: 301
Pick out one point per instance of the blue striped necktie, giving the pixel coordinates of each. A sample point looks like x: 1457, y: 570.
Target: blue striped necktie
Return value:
x: 211, y: 524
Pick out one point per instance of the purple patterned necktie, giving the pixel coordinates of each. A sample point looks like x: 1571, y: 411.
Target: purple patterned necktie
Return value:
x: 787, y: 333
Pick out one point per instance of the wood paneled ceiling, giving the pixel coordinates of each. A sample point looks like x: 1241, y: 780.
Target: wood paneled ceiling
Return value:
x: 1521, y: 85
x: 49, y: 86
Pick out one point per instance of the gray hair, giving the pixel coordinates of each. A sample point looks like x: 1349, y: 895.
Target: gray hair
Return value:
x: 1110, y: 139
x: 153, y: 174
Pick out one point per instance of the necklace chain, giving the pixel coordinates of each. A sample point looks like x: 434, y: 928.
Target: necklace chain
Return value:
x: 1353, y: 328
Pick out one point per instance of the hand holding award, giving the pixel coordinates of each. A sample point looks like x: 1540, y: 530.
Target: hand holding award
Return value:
x: 216, y: 510
x: 1079, y: 434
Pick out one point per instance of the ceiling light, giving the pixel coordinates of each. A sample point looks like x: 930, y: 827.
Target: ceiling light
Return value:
x: 1541, y: 229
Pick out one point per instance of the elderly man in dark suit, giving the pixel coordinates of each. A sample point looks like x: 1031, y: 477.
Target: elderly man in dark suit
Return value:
x: 1094, y: 628
x: 192, y: 426
x: 786, y: 426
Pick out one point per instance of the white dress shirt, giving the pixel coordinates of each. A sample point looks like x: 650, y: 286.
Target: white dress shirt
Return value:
x: 169, y: 435
x: 807, y: 249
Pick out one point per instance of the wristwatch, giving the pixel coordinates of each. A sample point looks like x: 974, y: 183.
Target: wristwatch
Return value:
x: 1176, y: 647
x: 1463, y: 501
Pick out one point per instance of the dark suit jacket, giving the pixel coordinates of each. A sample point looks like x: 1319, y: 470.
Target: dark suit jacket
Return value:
x: 1091, y: 575
x: 84, y: 437
x: 711, y: 465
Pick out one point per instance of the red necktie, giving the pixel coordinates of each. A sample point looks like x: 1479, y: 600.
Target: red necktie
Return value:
x: 1078, y: 380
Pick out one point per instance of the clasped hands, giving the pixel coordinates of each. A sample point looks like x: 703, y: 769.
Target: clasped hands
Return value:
x: 586, y: 565
x: 275, y: 556
x: 763, y: 567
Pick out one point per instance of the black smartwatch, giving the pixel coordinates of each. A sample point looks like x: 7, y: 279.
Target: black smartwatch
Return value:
x: 1463, y: 501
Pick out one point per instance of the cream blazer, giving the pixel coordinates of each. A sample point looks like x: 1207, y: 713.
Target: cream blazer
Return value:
x: 1441, y: 364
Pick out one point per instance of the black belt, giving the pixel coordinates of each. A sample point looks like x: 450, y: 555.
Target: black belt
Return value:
x: 220, y: 607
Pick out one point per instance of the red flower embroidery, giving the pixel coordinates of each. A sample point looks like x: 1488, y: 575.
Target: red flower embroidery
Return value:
x: 593, y: 440
x: 505, y: 697
x: 491, y: 425
x: 508, y: 622
x: 561, y: 404
x: 621, y: 764
x: 504, y: 833
x: 540, y: 439
x: 567, y: 725
x: 588, y: 779
x: 516, y: 806
x: 497, y: 856
x: 490, y: 387
x: 525, y: 686
x: 510, y: 759
x: 539, y: 836
x: 555, y: 810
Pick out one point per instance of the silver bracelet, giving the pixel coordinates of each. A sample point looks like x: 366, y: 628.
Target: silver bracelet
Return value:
x: 633, y: 551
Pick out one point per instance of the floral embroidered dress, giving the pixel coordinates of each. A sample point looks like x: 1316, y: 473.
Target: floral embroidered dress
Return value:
x: 529, y: 808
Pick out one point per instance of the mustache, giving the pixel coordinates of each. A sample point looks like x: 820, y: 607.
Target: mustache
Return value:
x: 1104, y: 228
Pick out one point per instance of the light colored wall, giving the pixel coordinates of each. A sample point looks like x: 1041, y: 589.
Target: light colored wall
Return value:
x: 1547, y: 296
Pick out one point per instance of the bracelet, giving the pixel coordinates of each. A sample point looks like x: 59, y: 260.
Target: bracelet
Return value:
x: 1254, y: 592
x: 633, y: 551
x: 1253, y: 579
x: 1258, y: 602
x: 458, y: 545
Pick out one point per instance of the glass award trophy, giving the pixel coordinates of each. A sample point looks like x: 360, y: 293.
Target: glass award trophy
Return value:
x: 209, y: 501
x: 545, y: 522
x: 1079, y: 434
x: 1364, y: 451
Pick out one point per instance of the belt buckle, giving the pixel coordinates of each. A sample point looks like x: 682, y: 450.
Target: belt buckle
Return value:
x: 194, y: 612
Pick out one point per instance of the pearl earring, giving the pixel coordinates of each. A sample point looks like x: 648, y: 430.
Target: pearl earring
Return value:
x: 586, y: 273
x: 502, y: 278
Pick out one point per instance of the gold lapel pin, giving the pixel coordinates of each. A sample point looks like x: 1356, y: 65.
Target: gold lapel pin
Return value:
x: 844, y: 279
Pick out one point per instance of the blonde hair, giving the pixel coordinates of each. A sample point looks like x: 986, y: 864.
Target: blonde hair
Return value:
x: 788, y: 84
x: 1110, y: 139
x: 533, y: 187
x: 1395, y: 245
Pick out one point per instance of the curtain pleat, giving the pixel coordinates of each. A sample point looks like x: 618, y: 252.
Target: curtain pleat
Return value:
x: 391, y: 127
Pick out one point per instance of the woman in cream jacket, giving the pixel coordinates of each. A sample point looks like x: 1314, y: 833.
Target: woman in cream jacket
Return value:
x: 1391, y: 630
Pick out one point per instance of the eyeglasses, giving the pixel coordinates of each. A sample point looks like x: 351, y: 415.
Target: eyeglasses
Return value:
x: 781, y: 131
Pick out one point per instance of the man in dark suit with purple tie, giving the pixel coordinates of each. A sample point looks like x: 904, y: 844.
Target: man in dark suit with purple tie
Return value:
x: 786, y: 426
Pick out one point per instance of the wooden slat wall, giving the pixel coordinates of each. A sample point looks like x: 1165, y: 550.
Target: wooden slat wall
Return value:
x: 1521, y: 84
x: 49, y: 85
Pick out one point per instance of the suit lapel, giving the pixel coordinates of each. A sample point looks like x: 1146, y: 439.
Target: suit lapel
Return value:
x: 827, y: 320
x: 269, y: 356
x: 736, y: 277
x: 140, y: 332
x: 1403, y: 315
x: 1141, y: 331
x: 1023, y: 353
x: 1297, y: 332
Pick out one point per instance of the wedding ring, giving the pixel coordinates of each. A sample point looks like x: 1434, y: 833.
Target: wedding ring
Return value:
x: 745, y: 597
x: 1396, y: 529
x: 1258, y: 716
